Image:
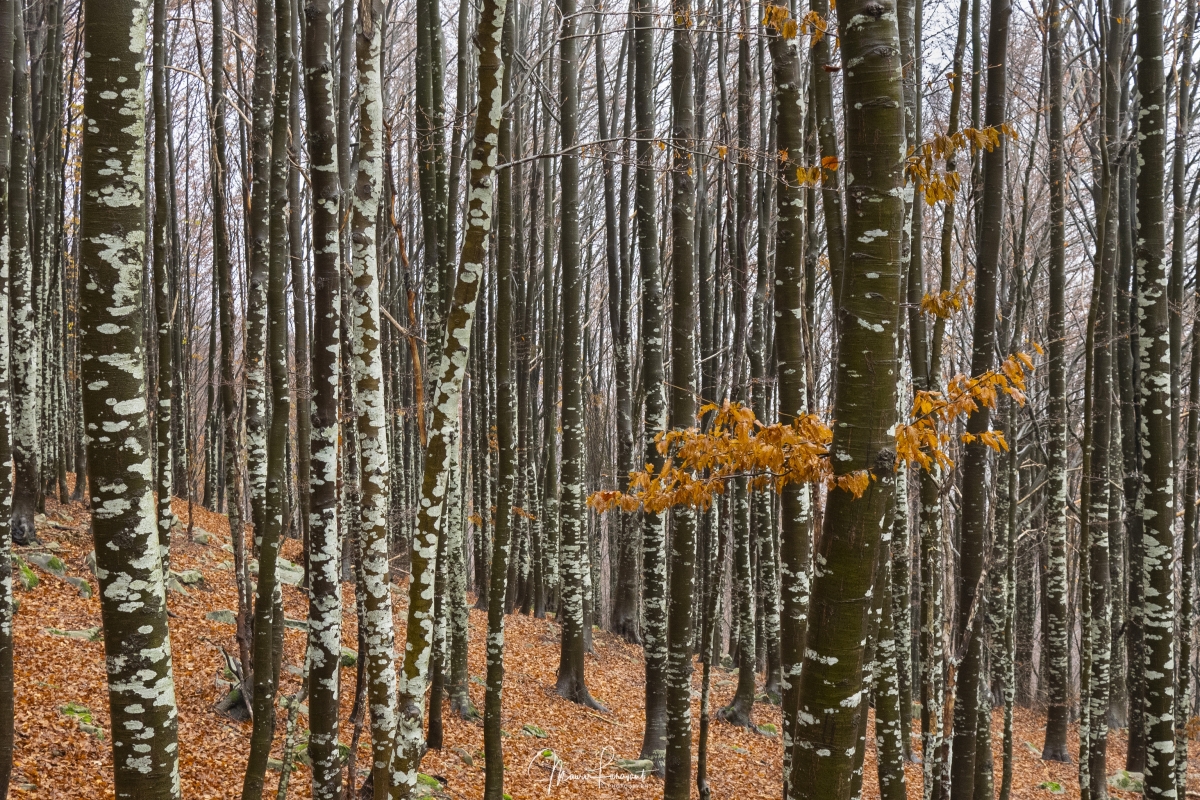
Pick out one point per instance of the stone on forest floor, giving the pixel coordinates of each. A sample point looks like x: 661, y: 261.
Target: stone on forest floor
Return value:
x: 201, y: 536
x: 768, y: 729
x: 295, y: 624
x: 533, y: 730
x: 463, y: 756
x: 222, y: 615
x: 285, y: 571
x: 48, y: 562
x: 1126, y: 781
x: 1053, y: 787
x: 25, y: 574
x: 349, y: 657
x: 189, y: 577
x: 82, y: 586
x: 93, y: 634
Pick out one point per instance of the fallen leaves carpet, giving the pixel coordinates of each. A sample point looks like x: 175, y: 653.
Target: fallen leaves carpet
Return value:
x: 61, y: 723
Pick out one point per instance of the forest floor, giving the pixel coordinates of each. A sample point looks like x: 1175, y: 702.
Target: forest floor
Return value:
x: 62, y: 721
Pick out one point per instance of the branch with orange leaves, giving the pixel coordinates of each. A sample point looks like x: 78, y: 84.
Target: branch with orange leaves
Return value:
x: 697, y: 465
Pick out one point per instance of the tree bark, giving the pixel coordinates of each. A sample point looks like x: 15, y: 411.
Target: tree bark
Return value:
x: 113, y: 240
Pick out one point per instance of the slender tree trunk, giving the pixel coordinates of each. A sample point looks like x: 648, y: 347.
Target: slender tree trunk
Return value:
x: 162, y: 281
x: 1055, y: 610
x: 571, y: 681
x: 367, y: 366
x: 268, y: 605
x: 790, y: 322
x: 325, y: 594
x: 654, y: 568
x: 506, y: 436
x: 7, y: 608
x: 677, y: 785
x: 971, y: 600
x: 113, y: 235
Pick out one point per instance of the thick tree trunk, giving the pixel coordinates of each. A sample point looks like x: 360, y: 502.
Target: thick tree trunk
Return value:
x: 113, y: 240
x: 22, y: 321
x: 1158, y: 514
x: 831, y: 702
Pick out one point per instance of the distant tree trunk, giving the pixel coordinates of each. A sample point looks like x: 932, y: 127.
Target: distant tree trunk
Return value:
x: 24, y: 356
x: 112, y: 238
x: 1156, y: 433
x: 654, y: 568
x: 1056, y: 657
x: 447, y: 377
x: 832, y: 705
x: 325, y: 598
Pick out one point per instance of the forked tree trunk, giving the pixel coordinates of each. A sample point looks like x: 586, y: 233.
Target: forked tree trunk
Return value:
x: 447, y: 377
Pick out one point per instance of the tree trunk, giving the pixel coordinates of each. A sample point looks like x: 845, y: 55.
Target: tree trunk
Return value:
x: 447, y: 378
x: 325, y: 599
x: 677, y: 785
x: 24, y: 356
x: 1156, y: 434
x: 112, y: 237
x: 654, y: 568
x: 831, y: 689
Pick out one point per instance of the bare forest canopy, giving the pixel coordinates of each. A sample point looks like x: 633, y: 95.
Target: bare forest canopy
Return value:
x: 848, y: 346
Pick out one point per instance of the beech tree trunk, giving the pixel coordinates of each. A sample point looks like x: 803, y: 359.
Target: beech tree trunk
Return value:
x: 137, y: 646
